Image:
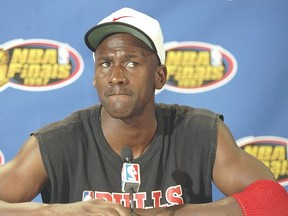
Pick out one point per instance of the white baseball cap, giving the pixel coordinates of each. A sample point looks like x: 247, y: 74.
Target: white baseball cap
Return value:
x: 130, y: 21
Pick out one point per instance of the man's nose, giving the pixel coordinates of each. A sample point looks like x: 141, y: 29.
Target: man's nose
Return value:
x: 117, y: 75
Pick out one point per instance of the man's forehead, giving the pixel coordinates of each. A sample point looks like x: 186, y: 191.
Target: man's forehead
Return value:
x: 123, y: 40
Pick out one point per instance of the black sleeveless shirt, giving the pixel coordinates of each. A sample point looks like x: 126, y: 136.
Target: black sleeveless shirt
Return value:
x: 176, y: 168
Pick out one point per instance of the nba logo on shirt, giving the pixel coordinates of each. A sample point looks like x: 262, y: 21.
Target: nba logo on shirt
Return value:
x: 130, y: 177
x: 132, y: 172
x: 87, y: 195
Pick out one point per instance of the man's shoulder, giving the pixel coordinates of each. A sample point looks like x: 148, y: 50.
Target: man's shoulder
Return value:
x: 186, y: 111
x: 75, y: 118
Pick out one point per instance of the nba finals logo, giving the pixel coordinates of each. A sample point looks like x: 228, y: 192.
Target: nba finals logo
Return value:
x: 4, y: 57
x: 38, y: 65
x: 196, y: 67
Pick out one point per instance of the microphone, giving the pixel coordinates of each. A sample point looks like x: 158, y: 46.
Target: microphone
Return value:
x: 130, y: 174
x: 127, y: 154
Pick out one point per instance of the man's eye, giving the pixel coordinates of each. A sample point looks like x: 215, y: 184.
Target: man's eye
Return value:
x: 131, y: 64
x: 105, y: 64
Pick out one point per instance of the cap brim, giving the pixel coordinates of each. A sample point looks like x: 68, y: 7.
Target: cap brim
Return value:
x: 94, y: 36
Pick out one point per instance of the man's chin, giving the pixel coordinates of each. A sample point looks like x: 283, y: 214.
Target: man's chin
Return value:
x: 119, y: 112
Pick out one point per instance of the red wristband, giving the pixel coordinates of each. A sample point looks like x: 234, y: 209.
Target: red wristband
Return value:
x: 263, y: 198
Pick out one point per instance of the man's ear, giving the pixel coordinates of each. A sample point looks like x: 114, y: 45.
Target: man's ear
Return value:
x: 160, y: 77
x: 94, y: 83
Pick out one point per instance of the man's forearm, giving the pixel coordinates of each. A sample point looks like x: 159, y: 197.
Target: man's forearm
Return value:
x: 22, y: 209
x: 262, y: 197
x: 87, y: 208
x: 226, y: 206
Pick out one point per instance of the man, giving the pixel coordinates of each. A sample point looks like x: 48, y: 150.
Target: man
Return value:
x: 180, y: 149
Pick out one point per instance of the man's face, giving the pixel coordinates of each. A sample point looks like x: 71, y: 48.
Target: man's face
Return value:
x: 125, y: 75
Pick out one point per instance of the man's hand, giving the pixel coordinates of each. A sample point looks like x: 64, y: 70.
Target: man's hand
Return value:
x: 84, y: 208
x: 95, y: 207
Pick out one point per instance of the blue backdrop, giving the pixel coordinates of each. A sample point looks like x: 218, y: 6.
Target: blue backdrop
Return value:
x: 248, y: 85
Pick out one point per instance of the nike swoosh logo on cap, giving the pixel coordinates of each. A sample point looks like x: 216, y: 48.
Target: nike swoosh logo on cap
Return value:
x: 116, y: 19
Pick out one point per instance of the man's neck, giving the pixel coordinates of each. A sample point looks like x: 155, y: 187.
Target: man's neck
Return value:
x: 136, y: 134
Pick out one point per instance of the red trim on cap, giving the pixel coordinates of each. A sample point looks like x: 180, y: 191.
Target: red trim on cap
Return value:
x: 116, y: 19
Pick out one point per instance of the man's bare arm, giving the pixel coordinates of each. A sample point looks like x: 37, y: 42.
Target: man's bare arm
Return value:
x: 23, y: 177
x: 233, y: 171
x: 84, y: 208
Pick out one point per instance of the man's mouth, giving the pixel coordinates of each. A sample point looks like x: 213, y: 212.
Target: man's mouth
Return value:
x: 117, y: 92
